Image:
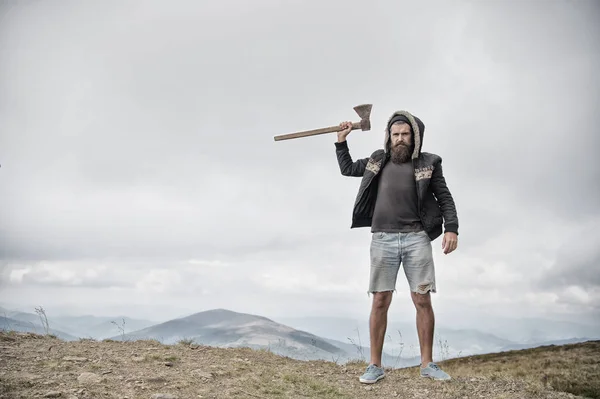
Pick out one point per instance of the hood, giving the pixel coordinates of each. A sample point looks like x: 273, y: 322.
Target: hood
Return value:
x: 418, y: 128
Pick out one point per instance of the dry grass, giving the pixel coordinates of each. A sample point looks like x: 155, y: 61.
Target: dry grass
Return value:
x: 568, y: 368
x: 35, y: 366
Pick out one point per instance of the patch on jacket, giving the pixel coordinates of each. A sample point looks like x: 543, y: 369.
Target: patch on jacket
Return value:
x: 423, y: 173
x: 373, y: 166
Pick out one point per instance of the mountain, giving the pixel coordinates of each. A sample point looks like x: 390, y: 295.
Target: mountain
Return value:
x: 536, y: 330
x: 523, y: 330
x: 325, y: 338
x: 466, y: 342
x: 402, y: 336
x: 338, y: 328
x: 32, y: 318
x: 86, y: 326
x: 100, y: 327
x: 9, y: 324
x: 225, y: 328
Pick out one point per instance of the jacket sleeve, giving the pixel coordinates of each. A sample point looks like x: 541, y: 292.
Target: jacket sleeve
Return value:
x: 347, y: 166
x: 446, y: 202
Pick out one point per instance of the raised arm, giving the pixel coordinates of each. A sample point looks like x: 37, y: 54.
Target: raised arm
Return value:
x: 348, y: 167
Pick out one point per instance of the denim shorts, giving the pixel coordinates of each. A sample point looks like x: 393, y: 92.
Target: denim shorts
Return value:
x: 413, y: 250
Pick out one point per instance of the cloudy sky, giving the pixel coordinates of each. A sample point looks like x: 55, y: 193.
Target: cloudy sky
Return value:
x: 139, y: 174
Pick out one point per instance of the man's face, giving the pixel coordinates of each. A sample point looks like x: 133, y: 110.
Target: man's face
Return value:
x: 401, y: 143
x: 400, y: 134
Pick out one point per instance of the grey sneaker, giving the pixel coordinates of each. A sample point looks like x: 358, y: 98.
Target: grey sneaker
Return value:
x: 372, y: 375
x: 435, y: 372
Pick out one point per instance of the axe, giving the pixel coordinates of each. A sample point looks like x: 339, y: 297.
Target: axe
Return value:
x: 364, y: 111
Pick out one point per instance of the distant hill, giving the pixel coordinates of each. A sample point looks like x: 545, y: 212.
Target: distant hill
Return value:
x: 85, y: 326
x: 9, y: 324
x: 34, y: 319
x: 305, y: 338
x: 465, y: 342
x: 536, y: 330
x: 225, y: 328
x: 88, y: 326
x: 402, y: 336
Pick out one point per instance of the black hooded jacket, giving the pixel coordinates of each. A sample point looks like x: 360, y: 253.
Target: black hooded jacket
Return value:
x: 435, y: 203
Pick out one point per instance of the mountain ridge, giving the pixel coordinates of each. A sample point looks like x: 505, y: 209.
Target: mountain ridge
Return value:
x: 332, y: 338
x: 227, y: 328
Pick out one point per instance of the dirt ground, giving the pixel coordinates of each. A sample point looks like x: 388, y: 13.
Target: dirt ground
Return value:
x: 34, y: 366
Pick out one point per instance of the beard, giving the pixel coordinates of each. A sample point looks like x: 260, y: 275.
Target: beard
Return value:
x: 401, y: 153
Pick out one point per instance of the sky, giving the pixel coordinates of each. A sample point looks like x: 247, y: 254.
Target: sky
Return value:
x: 139, y: 175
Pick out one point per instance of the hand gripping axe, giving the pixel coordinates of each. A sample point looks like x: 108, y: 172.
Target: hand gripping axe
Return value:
x: 364, y: 111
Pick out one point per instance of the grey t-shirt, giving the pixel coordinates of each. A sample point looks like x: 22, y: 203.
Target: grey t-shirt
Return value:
x: 396, y: 206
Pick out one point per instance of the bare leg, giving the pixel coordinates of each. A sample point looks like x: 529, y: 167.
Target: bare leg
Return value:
x: 425, y: 325
x: 378, y: 324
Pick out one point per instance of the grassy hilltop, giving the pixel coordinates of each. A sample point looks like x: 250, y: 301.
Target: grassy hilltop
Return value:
x: 38, y: 366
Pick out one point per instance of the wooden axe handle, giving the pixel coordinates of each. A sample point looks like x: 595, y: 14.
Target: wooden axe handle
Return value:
x: 331, y: 129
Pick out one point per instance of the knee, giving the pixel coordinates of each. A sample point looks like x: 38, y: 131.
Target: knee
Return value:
x: 421, y: 301
x: 381, y: 300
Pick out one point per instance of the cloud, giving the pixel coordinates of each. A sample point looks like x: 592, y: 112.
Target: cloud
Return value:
x: 576, y: 264
x: 67, y: 274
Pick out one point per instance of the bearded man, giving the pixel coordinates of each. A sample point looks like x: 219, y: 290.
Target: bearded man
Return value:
x: 404, y: 198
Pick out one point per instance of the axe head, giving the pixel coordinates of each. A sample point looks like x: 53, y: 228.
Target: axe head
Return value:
x: 364, y: 111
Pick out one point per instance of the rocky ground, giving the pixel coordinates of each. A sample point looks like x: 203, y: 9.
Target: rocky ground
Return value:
x: 34, y: 366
